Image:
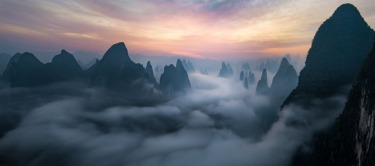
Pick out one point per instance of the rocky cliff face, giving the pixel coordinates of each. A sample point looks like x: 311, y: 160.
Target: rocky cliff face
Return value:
x: 334, y: 61
x: 174, y: 80
x: 351, y: 141
x: 338, y: 50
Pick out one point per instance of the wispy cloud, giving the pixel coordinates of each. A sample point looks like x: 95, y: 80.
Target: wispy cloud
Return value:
x: 204, y: 28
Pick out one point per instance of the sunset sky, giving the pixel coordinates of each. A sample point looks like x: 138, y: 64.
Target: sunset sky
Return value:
x: 214, y: 29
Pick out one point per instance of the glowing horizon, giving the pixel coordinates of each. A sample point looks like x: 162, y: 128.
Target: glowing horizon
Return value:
x: 219, y: 29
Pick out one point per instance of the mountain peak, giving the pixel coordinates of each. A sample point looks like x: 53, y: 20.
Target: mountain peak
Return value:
x: 346, y: 8
x: 284, y: 63
x: 119, y: 45
x: 338, y: 50
x: 64, y: 52
x: 174, y: 79
x: 348, y: 15
x: 179, y: 64
x: 63, y: 57
x: 117, y: 53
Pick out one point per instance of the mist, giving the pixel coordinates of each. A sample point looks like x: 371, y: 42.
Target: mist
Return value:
x: 219, y: 122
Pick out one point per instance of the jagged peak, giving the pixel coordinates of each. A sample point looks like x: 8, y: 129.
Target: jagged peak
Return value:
x: 168, y: 67
x: 148, y: 64
x: 284, y: 63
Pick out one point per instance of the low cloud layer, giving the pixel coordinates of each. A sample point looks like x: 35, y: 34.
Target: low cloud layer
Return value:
x: 217, y: 123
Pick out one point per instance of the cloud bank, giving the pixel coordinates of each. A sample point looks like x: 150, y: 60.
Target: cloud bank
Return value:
x: 217, y: 123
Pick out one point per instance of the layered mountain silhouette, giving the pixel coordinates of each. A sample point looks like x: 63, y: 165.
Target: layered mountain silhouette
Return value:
x: 174, y: 79
x: 115, y: 70
x: 262, y: 86
x: 226, y: 70
x: 285, y: 80
x: 336, y: 55
x: 25, y: 70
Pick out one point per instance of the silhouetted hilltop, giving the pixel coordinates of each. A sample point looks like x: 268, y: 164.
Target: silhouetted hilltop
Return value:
x: 174, y: 80
x: 24, y: 70
x: 285, y: 80
x: 262, y: 86
x: 336, y: 55
x: 117, y: 69
x: 63, y: 67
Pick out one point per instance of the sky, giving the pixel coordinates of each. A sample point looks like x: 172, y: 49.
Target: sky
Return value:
x: 212, y: 29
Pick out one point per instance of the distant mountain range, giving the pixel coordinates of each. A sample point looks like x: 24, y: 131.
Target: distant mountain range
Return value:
x: 115, y: 70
